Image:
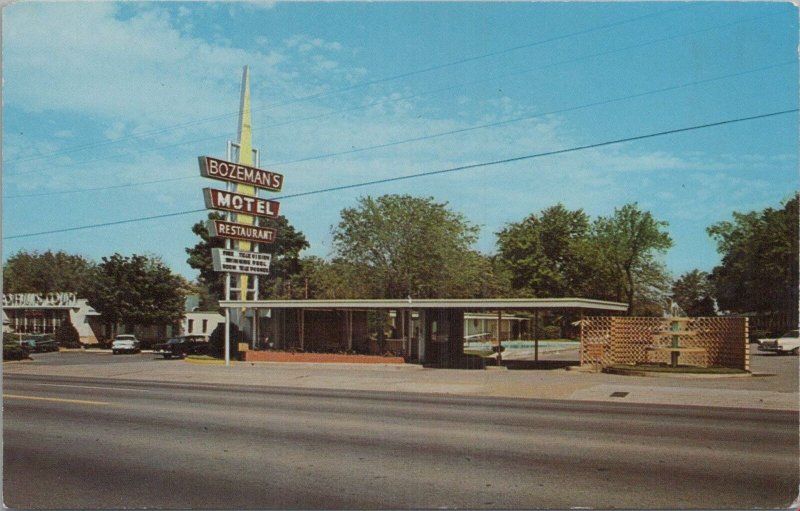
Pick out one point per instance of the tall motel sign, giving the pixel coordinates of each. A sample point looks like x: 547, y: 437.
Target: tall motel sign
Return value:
x: 241, y: 258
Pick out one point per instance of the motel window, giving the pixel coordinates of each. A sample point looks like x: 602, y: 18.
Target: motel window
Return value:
x: 191, y: 325
x: 205, y: 325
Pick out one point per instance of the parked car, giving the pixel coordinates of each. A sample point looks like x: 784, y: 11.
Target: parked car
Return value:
x: 179, y: 347
x: 39, y: 344
x: 787, y: 343
x: 125, y: 344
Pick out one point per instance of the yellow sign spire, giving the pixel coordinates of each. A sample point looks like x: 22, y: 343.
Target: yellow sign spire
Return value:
x: 245, y: 158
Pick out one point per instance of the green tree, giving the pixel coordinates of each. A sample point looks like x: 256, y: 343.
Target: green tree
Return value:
x: 627, y: 244
x: 543, y: 252
x: 200, y: 260
x: 285, y: 263
x: 759, y: 268
x: 137, y: 290
x: 403, y: 246
x: 67, y: 335
x: 48, y: 272
x: 693, y: 293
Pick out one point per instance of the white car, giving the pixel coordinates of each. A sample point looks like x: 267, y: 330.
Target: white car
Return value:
x: 125, y: 344
x: 787, y: 343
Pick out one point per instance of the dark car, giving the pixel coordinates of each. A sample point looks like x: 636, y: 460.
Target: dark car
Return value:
x: 179, y: 347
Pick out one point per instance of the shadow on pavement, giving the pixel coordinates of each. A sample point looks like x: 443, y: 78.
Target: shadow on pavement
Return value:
x: 540, y: 364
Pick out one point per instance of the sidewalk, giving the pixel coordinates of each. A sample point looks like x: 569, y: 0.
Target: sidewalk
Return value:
x: 737, y: 392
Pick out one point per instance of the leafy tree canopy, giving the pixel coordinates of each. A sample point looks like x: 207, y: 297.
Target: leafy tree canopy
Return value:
x: 285, y: 263
x: 137, y: 290
x: 398, y: 246
x: 693, y: 293
x: 200, y: 259
x: 543, y: 251
x: 559, y: 253
x: 48, y: 272
x: 759, y: 268
x: 628, y: 242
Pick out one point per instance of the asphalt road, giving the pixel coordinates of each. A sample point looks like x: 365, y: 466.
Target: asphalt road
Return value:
x: 86, y: 443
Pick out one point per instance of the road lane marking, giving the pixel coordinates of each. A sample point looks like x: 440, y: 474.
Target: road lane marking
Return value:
x: 91, y: 387
x: 56, y: 399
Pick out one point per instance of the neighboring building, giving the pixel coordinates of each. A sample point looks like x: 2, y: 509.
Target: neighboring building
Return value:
x: 29, y: 313
x: 201, y: 322
x: 197, y: 322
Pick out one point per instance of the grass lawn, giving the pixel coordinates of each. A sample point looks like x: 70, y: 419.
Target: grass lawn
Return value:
x: 479, y: 353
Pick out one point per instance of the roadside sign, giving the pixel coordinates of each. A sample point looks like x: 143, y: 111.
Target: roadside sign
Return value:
x: 238, y: 203
x: 238, y: 173
x: 237, y: 261
x: 242, y: 232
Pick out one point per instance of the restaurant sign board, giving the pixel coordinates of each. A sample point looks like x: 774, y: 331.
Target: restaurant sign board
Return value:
x: 238, y: 261
x: 241, y: 232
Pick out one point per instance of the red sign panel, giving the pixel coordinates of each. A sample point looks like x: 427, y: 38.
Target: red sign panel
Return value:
x: 243, y: 232
x: 238, y: 173
x: 238, y: 203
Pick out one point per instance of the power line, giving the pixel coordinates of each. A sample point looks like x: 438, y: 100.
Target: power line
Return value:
x: 524, y: 118
x: 354, y: 86
x: 431, y: 173
x: 390, y: 100
x: 434, y: 135
x: 521, y: 71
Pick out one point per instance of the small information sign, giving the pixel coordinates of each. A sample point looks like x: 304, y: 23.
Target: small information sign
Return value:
x: 237, y: 261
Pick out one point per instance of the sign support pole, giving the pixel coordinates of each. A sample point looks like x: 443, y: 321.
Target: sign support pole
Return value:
x: 228, y: 276
x: 241, y: 228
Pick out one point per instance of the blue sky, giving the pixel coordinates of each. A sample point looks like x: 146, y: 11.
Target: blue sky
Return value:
x: 108, y: 105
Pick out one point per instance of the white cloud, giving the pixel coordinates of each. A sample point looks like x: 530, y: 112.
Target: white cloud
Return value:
x: 115, y: 131
x: 140, y: 71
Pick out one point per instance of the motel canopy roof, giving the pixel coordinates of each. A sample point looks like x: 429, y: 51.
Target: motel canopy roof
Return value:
x: 413, y: 303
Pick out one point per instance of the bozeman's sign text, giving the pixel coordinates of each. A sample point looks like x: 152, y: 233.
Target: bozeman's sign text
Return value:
x: 238, y: 173
x: 236, y: 261
x: 242, y: 232
x: 238, y: 203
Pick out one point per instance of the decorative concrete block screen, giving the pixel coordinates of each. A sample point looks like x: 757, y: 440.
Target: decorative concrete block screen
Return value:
x: 608, y: 340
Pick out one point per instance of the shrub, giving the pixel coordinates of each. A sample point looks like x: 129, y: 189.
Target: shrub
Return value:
x: 551, y: 332
x: 67, y: 335
x: 14, y: 352
x: 217, y: 340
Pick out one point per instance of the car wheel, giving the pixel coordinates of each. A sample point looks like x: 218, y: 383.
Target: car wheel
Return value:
x: 114, y: 352
x: 795, y: 351
x: 167, y: 356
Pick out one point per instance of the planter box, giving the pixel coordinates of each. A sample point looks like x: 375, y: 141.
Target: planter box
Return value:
x: 279, y: 356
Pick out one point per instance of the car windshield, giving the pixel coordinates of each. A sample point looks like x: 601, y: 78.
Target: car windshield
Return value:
x: 792, y: 333
x: 125, y: 338
x: 176, y: 340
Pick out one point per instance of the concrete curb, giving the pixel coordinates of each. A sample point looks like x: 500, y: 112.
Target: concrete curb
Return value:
x: 656, y: 374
